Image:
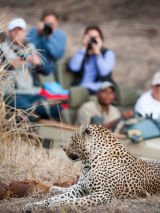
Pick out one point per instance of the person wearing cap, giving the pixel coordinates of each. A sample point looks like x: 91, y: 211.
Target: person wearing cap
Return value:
x: 148, y: 105
x: 20, y: 59
x: 18, y: 54
x: 49, y: 40
x: 101, y: 110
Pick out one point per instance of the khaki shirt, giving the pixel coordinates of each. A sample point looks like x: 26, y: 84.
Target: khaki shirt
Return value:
x: 93, y: 108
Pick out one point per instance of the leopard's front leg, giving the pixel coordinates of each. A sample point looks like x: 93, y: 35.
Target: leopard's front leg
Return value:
x: 30, y: 207
x: 65, y: 200
x: 94, y: 199
x: 70, y: 192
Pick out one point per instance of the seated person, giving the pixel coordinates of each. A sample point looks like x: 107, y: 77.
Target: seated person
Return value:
x: 49, y: 40
x: 102, y: 111
x: 20, y: 58
x: 92, y: 64
x: 149, y: 103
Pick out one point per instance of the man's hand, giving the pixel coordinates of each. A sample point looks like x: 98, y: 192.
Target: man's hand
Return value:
x: 40, y: 27
x: 85, y: 41
x: 127, y: 114
x: 34, y: 59
x: 96, y: 47
x: 18, y: 62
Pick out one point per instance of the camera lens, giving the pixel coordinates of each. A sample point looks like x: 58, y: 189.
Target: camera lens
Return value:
x: 91, y: 42
x: 47, y: 30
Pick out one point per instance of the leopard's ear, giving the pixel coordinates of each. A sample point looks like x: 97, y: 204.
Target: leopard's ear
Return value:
x: 87, y: 131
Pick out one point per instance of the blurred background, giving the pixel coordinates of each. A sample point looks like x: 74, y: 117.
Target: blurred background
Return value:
x: 131, y: 29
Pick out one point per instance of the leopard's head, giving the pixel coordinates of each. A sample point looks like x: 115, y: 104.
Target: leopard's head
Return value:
x: 86, y: 140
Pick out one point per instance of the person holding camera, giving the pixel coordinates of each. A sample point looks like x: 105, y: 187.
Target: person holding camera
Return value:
x: 49, y: 40
x: 20, y: 59
x: 19, y: 55
x: 92, y: 64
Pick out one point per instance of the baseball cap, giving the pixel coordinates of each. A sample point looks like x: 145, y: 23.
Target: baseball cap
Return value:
x: 105, y: 85
x: 17, y: 22
x: 156, y: 79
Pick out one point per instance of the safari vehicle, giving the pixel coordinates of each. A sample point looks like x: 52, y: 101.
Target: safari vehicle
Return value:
x: 61, y: 132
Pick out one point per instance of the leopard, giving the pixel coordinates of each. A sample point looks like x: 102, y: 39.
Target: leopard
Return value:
x: 109, y: 172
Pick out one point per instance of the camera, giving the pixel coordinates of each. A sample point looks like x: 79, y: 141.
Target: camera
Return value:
x: 91, y: 42
x: 47, y: 29
x: 20, y: 52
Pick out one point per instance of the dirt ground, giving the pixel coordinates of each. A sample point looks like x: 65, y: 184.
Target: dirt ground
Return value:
x: 148, y: 205
x: 132, y: 31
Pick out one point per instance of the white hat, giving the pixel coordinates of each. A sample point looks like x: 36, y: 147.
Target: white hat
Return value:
x: 17, y: 22
x: 105, y: 85
x: 156, y: 79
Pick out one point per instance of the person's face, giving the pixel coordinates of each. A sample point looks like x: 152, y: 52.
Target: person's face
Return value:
x: 106, y: 96
x: 17, y: 35
x: 93, y: 33
x: 156, y: 92
x: 51, y: 20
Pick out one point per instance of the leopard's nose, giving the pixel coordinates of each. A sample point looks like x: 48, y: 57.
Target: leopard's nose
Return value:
x: 64, y: 149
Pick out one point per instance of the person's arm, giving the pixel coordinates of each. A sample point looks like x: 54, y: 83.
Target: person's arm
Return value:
x: 32, y: 36
x: 105, y: 63
x: 125, y: 115
x: 55, y: 44
x: 34, y: 59
x: 75, y: 62
x: 9, y: 59
x: 32, y: 56
x: 112, y: 125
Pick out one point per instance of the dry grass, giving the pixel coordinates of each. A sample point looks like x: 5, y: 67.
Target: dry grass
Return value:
x: 21, y: 161
x: 22, y: 156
